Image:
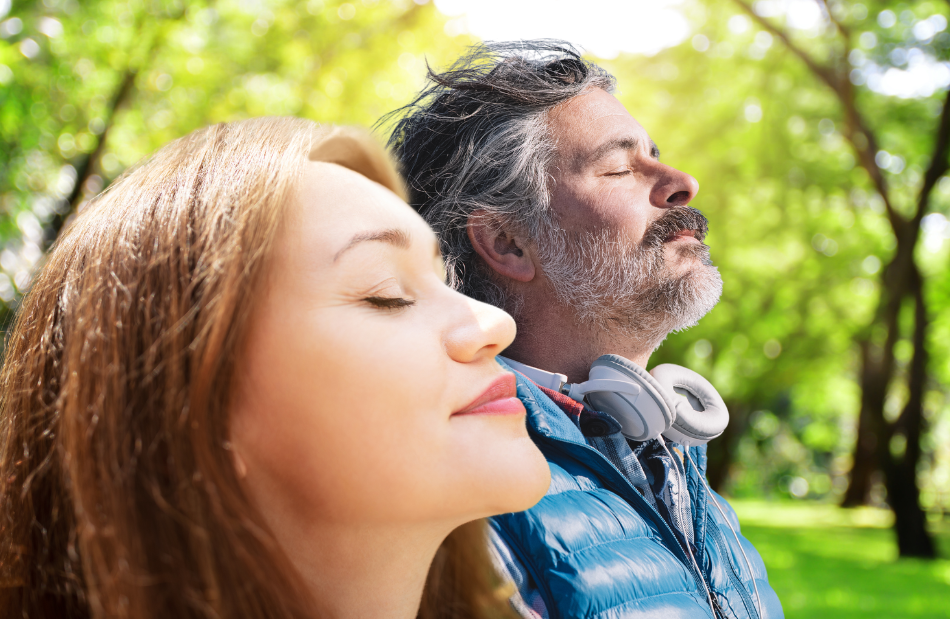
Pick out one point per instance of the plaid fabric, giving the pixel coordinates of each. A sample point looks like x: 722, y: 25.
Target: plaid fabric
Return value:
x: 666, y: 475
x: 647, y: 465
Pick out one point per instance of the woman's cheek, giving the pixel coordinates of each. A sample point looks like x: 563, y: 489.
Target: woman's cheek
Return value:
x: 383, y: 431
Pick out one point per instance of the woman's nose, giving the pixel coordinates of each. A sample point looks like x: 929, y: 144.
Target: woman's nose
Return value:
x: 480, y: 331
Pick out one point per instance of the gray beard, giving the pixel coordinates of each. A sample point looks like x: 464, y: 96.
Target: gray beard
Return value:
x: 628, y: 289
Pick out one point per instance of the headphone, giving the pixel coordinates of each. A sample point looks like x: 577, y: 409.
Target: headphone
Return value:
x: 669, y: 401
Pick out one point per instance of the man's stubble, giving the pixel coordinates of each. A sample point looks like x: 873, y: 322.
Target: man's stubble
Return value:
x: 632, y: 290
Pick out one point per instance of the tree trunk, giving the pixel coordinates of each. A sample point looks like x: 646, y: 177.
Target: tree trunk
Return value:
x: 866, y: 457
x: 877, y: 371
x: 900, y: 469
x: 901, y: 280
x: 721, y: 452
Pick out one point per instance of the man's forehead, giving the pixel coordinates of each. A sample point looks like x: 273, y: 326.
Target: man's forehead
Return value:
x: 591, y: 122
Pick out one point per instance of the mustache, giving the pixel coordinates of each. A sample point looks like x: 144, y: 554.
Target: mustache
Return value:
x: 675, y: 220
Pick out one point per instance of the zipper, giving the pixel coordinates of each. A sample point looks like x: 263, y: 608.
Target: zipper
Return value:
x: 733, y: 575
x: 720, y: 611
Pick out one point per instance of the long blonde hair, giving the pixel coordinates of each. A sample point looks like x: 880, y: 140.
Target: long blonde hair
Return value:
x: 118, y: 497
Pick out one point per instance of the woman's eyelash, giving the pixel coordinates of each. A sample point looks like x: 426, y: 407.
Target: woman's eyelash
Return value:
x: 389, y: 302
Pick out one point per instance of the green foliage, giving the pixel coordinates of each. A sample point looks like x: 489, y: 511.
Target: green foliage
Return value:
x: 796, y: 229
x: 192, y: 64
x: 824, y: 561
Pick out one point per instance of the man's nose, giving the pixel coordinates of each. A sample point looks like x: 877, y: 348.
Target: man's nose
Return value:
x: 673, y: 188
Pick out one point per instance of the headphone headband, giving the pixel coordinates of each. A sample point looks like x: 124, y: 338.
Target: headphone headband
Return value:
x: 671, y: 400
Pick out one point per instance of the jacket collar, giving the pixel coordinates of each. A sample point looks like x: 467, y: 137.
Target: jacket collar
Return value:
x: 554, y: 415
x: 544, y: 416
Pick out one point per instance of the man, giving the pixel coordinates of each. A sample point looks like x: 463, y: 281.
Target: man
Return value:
x: 551, y: 202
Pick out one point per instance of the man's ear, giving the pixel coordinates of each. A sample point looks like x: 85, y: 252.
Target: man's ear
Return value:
x: 505, y: 253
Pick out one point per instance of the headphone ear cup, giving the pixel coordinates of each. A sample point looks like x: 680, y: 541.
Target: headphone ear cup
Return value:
x: 643, y: 417
x: 691, y: 426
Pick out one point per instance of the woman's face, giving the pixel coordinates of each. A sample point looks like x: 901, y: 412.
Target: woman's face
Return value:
x: 368, y: 391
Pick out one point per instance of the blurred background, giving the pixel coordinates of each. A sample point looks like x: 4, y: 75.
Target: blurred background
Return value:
x: 818, y: 132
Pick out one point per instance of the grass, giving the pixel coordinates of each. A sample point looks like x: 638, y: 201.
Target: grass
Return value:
x: 824, y: 561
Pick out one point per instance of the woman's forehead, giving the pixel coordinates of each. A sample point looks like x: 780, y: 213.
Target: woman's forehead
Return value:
x: 333, y: 203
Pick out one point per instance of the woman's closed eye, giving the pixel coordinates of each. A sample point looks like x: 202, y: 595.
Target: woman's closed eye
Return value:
x: 389, y: 303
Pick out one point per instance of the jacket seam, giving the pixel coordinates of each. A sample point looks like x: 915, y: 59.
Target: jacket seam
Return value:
x: 735, y: 576
x: 641, y: 599
x: 615, y: 541
x: 560, y: 447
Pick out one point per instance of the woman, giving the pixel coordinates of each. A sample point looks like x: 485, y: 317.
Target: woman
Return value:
x: 240, y: 388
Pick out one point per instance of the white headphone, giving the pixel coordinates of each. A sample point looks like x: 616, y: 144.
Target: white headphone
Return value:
x: 670, y: 400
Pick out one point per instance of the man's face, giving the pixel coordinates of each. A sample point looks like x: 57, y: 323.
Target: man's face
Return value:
x: 629, y: 252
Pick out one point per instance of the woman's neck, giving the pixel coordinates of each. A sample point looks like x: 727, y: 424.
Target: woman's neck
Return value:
x: 364, y: 571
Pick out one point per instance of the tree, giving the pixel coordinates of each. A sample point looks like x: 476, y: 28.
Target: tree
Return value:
x: 87, y: 89
x: 901, y: 284
x: 793, y: 325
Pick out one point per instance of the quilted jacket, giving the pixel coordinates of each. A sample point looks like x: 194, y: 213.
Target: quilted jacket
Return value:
x: 594, y: 547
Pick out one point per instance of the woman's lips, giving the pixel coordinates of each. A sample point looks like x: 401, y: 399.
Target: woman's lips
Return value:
x: 499, y: 399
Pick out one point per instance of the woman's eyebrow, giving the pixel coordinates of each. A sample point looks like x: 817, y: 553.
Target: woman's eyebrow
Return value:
x: 394, y: 236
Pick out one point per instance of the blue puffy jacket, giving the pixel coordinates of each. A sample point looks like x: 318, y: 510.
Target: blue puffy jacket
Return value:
x: 594, y: 547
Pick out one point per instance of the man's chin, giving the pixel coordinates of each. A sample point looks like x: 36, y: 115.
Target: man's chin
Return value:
x: 645, y: 293
x: 700, y: 289
x: 685, y: 254
x: 676, y: 304
x: 684, y: 267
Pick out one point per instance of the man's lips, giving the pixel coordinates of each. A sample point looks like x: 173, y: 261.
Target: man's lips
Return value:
x: 499, y: 399
x: 683, y: 235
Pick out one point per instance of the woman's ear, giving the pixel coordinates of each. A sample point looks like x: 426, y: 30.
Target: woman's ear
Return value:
x: 505, y: 253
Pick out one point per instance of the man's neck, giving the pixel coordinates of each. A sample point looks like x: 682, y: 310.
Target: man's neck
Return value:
x: 551, y: 338
x: 570, y: 349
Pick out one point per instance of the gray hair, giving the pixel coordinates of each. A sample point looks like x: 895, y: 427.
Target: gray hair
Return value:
x: 476, y: 139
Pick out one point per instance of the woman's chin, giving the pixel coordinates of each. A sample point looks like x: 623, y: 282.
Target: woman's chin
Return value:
x: 518, y: 481
x: 533, y: 488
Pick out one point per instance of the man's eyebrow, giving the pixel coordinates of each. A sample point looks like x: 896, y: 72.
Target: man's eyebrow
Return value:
x: 624, y: 143
x: 393, y: 236
x: 611, y: 146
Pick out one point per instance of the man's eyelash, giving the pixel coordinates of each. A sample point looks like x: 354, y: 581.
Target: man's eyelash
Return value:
x: 389, y: 302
